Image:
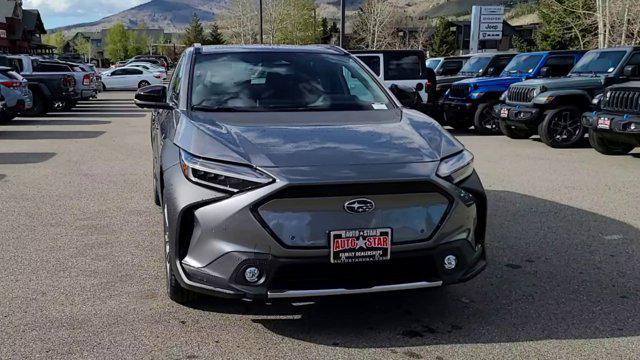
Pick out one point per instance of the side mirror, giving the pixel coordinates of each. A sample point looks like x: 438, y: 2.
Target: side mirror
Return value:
x: 545, y: 72
x: 407, y: 96
x: 630, y: 71
x: 152, y: 97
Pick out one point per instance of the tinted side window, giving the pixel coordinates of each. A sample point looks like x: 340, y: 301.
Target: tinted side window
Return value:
x: 118, y: 72
x: 400, y: 66
x: 498, y: 64
x: 634, y: 59
x: 560, y: 65
x: 174, y: 88
x: 43, y: 67
x: 450, y: 67
x: 133, y: 71
x: 372, y: 62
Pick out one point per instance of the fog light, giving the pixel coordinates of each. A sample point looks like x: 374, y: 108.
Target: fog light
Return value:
x: 450, y: 262
x: 252, y: 274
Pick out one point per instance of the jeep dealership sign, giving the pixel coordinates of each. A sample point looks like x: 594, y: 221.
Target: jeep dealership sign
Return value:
x: 486, y: 24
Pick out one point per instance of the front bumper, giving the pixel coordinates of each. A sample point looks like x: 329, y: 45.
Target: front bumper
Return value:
x: 624, y: 128
x: 454, y: 107
x: 519, y: 116
x: 214, y: 238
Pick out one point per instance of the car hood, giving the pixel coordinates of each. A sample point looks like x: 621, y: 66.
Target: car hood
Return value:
x: 493, y: 81
x: 574, y: 82
x: 303, y: 139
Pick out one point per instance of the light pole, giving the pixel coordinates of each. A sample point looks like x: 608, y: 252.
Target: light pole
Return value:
x: 343, y: 19
x: 261, y: 33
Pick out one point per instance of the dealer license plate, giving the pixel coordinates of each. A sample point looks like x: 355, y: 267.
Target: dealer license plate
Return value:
x: 504, y: 113
x: 362, y: 245
x: 604, y: 123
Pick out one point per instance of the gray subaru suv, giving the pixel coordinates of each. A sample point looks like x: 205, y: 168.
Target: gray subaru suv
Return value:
x: 291, y: 172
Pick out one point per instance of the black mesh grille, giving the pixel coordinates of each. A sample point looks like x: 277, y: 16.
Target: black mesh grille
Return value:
x: 522, y: 94
x: 296, y: 276
x: 459, y: 91
x: 627, y: 100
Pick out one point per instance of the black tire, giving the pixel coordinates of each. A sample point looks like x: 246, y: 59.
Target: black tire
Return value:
x: 562, y: 128
x: 143, y: 83
x: 40, y: 106
x: 514, y: 132
x: 69, y: 105
x: 7, y: 116
x: 484, y: 121
x: 607, y: 146
x: 175, y: 291
x: 156, y: 196
x: 104, y: 87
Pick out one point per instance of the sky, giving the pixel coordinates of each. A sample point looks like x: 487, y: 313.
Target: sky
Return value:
x: 57, y: 13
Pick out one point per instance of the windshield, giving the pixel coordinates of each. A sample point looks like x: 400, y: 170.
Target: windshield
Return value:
x: 599, y: 62
x: 475, y: 65
x: 284, y: 81
x: 433, y: 63
x: 522, y: 64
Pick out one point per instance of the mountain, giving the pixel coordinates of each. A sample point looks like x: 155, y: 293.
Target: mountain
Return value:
x: 174, y: 15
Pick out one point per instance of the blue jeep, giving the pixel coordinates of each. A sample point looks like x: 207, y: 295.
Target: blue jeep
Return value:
x: 471, y: 101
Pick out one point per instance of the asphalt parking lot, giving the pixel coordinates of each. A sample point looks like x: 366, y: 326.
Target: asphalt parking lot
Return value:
x: 82, y: 260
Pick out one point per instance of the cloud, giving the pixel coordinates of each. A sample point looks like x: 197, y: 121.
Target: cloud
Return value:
x: 74, y: 8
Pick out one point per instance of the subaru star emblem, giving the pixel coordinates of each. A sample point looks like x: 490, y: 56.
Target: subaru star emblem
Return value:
x: 359, y: 206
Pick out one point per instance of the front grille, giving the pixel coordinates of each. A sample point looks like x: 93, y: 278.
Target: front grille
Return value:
x: 324, y: 275
x: 521, y: 94
x: 301, y: 216
x: 459, y: 90
x: 627, y: 100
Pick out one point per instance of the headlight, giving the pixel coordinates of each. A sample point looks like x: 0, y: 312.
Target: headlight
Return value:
x: 596, y: 99
x: 222, y: 176
x: 457, y: 167
x: 504, y: 95
x: 477, y: 95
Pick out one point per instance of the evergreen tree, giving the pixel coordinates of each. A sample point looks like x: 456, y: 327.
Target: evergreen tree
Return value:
x: 215, y: 36
x: 443, y: 42
x: 194, y: 33
x: 324, y: 26
x: 334, y: 28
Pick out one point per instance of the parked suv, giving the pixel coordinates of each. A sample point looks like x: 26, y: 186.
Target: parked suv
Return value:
x: 553, y: 108
x: 16, y: 95
x: 404, y: 68
x: 293, y: 173
x: 447, y: 66
x: 614, y: 128
x: 471, y: 101
x: 479, y: 65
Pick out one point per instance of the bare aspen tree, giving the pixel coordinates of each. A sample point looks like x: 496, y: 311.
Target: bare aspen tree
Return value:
x: 239, y: 23
x: 375, y: 24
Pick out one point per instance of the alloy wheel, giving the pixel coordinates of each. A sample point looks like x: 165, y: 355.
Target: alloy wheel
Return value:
x: 564, y: 127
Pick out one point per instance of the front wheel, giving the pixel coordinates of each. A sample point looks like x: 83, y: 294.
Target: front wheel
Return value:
x: 40, y: 106
x: 562, y: 128
x: 175, y: 291
x: 7, y: 116
x: 607, y: 146
x: 485, y: 122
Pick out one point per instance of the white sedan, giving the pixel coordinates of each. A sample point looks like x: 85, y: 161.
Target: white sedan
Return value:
x: 147, y: 66
x: 127, y: 78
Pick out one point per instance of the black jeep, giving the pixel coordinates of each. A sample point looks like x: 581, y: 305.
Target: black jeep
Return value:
x: 553, y: 108
x: 614, y: 128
